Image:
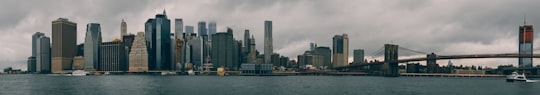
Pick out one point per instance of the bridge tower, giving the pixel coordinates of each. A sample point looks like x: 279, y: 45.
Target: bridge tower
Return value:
x: 390, y: 66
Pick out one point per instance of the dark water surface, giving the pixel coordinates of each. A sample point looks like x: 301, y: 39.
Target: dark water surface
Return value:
x: 258, y: 85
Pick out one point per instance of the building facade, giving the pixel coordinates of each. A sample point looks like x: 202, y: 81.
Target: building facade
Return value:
x: 91, y: 48
x: 268, y: 44
x: 113, y: 57
x: 341, y: 50
x: 526, y: 38
x: 64, y: 39
x: 224, y: 53
x: 43, y: 55
x: 138, y: 57
x: 123, y: 28
x: 358, y: 56
x: 179, y: 43
x: 157, y: 32
x: 326, y: 53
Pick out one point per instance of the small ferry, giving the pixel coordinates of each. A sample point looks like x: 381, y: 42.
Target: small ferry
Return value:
x: 518, y: 77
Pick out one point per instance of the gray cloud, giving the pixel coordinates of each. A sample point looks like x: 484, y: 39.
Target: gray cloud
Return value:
x: 443, y: 27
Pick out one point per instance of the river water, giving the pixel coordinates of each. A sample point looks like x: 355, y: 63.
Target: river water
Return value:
x: 258, y: 85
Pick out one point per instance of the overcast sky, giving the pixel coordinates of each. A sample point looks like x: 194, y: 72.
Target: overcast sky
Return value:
x: 444, y: 27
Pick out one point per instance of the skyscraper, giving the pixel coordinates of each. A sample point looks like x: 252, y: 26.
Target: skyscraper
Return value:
x: 203, y: 33
x: 32, y: 63
x: 43, y: 55
x: 211, y: 29
x: 358, y: 55
x: 326, y: 53
x: 341, y: 50
x: 157, y: 32
x: 123, y: 28
x: 526, y: 37
x: 179, y: 42
x: 64, y: 39
x: 268, y: 47
x: 189, y: 30
x: 138, y: 57
x: 222, y: 50
x: 91, y: 48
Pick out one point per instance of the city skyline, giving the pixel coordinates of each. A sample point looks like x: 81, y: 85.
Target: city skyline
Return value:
x: 438, y: 28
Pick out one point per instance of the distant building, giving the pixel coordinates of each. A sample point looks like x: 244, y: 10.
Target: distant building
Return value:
x: 526, y: 38
x: 310, y: 59
x: 268, y: 47
x: 138, y: 57
x: 157, y: 32
x: 203, y: 33
x: 358, y: 56
x: 326, y: 53
x: 275, y: 59
x: 78, y: 63
x: 190, y: 30
x: 196, y: 50
x: 64, y: 39
x: 179, y: 42
x: 341, y: 50
x: 43, y: 55
x: 123, y: 28
x: 31, y: 63
x: 256, y: 69
x: 92, y: 46
x: 413, y: 68
x: 211, y: 29
x: 113, y: 57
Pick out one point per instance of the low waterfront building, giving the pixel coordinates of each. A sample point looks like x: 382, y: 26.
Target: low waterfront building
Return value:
x: 78, y: 63
x: 256, y: 69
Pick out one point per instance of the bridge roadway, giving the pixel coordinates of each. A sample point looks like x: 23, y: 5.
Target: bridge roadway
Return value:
x: 442, y: 57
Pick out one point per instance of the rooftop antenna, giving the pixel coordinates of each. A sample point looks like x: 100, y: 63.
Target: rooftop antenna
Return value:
x: 524, y: 19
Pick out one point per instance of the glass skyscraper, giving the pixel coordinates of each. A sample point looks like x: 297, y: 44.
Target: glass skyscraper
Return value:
x: 92, y: 46
x: 158, y: 40
x: 268, y: 47
x: 526, y: 38
x: 341, y: 51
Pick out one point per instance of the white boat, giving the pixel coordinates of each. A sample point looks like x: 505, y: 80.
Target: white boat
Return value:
x: 79, y: 73
x: 518, y: 77
x: 190, y: 72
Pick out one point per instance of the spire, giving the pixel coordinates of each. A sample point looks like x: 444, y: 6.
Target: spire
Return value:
x: 164, y: 12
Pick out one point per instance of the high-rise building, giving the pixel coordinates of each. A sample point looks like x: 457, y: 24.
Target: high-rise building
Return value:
x: 43, y: 55
x: 179, y: 42
x: 138, y: 57
x: 526, y: 37
x: 123, y: 28
x: 64, y: 39
x: 211, y: 29
x: 268, y: 47
x: 312, y: 46
x: 189, y: 30
x: 157, y: 32
x: 32, y: 63
x: 326, y: 53
x: 358, y: 56
x: 223, y: 50
x: 91, y: 48
x: 252, y: 56
x: 203, y: 33
x: 195, y: 50
x: 113, y: 57
x: 128, y: 41
x: 341, y: 50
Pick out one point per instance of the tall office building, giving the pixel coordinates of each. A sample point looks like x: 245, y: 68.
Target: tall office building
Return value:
x: 189, y: 30
x: 157, y: 32
x: 123, y: 28
x: 179, y: 42
x: 252, y: 56
x: 268, y: 47
x: 223, y: 50
x: 211, y: 29
x: 43, y: 55
x: 341, y: 50
x: 64, y: 39
x: 526, y: 37
x: 138, y: 57
x: 32, y: 63
x: 358, y: 56
x: 203, y: 33
x: 195, y: 50
x: 91, y: 48
x: 113, y: 57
